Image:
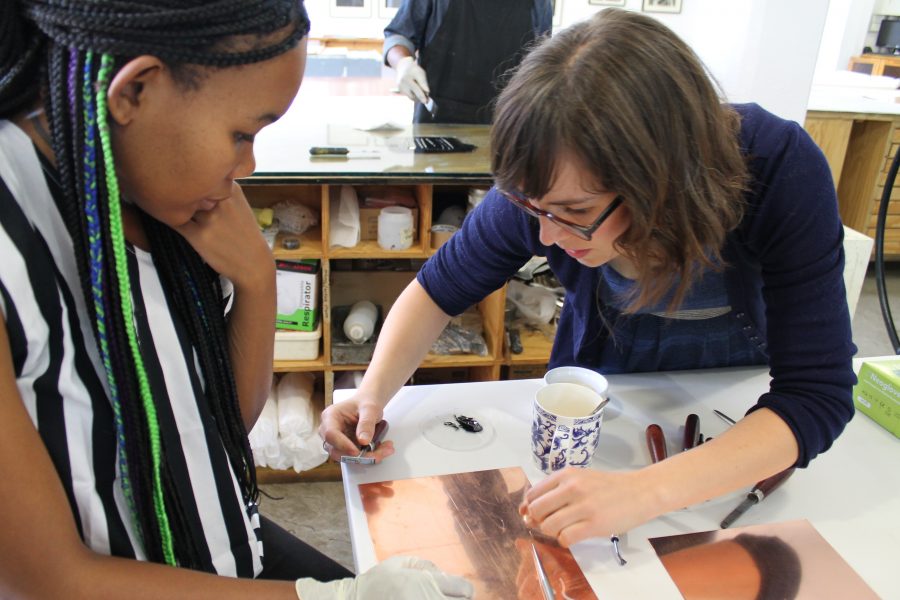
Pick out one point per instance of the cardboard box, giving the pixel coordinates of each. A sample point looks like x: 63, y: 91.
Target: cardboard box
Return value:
x: 877, y: 394
x: 297, y: 284
x: 368, y: 223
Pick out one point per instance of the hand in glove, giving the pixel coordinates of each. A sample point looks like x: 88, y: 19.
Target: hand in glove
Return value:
x: 411, y: 79
x: 397, y: 578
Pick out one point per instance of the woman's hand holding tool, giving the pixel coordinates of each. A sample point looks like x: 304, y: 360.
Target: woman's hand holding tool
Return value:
x: 380, y: 429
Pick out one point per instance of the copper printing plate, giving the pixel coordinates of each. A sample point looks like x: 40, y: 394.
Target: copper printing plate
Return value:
x: 469, y: 525
x: 773, y: 561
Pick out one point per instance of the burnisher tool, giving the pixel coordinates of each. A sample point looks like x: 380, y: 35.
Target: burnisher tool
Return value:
x: 380, y: 429
x: 759, y: 492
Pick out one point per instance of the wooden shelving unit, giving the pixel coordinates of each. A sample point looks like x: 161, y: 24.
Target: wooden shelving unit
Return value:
x: 859, y: 148
x: 316, y: 184
x: 343, y: 287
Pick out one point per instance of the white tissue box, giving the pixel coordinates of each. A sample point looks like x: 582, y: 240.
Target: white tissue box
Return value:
x: 297, y: 345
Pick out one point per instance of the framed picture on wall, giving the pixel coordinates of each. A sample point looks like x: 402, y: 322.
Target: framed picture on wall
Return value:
x: 663, y: 6
x: 557, y: 12
x: 388, y: 8
x: 607, y: 2
x: 350, y: 8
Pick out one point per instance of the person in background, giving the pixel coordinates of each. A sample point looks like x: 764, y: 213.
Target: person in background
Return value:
x: 455, y: 52
x: 138, y: 303
x: 688, y: 234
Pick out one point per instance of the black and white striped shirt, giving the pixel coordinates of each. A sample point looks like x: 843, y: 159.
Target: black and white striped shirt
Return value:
x: 64, y: 389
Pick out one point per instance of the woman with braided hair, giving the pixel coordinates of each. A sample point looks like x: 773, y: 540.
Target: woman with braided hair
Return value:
x: 138, y: 303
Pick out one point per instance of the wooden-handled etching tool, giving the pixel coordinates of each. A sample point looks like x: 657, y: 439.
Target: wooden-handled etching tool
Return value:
x: 759, y: 492
x: 656, y: 443
x: 691, y: 432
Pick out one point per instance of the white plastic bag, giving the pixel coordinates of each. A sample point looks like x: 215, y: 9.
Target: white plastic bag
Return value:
x: 344, y: 230
x: 264, y: 435
x: 294, y: 217
x: 295, y: 409
x: 534, y: 303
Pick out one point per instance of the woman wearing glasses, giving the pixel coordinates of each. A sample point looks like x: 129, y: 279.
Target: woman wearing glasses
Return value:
x: 688, y: 234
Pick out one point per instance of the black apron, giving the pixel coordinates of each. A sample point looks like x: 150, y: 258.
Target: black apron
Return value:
x: 477, y: 42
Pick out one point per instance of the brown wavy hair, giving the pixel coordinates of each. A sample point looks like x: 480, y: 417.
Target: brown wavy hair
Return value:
x: 629, y: 99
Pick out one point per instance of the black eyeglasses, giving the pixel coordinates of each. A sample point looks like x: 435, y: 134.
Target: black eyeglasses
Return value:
x: 582, y: 231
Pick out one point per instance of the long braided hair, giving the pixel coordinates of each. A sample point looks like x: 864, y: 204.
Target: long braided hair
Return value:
x: 67, y: 51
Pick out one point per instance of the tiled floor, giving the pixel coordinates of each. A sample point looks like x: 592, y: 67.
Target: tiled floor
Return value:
x: 315, y: 512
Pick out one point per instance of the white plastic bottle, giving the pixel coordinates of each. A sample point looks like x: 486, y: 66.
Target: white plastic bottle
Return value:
x: 360, y: 322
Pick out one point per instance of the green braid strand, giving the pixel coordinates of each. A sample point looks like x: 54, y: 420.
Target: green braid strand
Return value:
x: 118, y: 242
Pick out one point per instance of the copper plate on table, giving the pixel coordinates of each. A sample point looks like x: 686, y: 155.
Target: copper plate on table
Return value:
x: 469, y: 525
x: 772, y: 561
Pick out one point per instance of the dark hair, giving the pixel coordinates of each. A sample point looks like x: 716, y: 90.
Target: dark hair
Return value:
x: 67, y: 51
x: 624, y: 95
x: 780, y: 567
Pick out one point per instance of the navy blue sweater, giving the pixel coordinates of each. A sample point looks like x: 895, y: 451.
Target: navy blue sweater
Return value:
x: 784, y: 280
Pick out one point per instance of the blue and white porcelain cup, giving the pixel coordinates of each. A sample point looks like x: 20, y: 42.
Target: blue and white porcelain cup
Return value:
x: 579, y: 375
x: 565, y: 429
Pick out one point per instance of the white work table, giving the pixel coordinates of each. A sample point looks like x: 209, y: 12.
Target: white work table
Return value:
x: 851, y: 494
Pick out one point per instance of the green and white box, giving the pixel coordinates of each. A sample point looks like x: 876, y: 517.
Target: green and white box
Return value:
x: 298, y: 284
x: 877, y: 394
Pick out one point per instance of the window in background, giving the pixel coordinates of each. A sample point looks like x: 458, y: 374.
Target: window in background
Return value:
x: 351, y: 8
x: 388, y: 8
x: 557, y: 12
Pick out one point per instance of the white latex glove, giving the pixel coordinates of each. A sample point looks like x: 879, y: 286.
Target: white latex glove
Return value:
x: 397, y: 578
x: 411, y: 79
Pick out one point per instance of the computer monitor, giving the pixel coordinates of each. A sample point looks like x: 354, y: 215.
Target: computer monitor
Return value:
x: 889, y: 35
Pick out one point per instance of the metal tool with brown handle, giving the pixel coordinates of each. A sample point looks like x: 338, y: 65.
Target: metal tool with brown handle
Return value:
x: 759, y: 492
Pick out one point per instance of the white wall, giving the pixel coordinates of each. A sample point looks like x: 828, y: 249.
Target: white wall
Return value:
x: 759, y: 50
x: 762, y: 51
x: 324, y: 24
x: 845, y: 33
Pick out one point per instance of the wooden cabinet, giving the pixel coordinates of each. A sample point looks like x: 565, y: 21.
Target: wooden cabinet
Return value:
x: 859, y: 148
x: 286, y: 171
x: 875, y: 64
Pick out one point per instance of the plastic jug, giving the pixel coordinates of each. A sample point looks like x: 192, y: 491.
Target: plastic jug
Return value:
x: 360, y: 322
x: 395, y: 228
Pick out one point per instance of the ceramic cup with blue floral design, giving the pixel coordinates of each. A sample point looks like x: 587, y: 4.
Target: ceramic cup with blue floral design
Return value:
x: 565, y: 430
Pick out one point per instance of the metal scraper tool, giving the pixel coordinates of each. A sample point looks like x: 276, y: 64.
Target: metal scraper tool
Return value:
x: 380, y: 429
